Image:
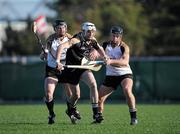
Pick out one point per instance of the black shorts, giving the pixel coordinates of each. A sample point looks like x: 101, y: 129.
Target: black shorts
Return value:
x: 54, y: 73
x: 68, y: 75
x: 115, y: 81
x: 72, y: 75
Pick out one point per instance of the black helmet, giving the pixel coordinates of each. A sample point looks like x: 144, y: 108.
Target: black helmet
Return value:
x: 117, y: 30
x: 59, y: 23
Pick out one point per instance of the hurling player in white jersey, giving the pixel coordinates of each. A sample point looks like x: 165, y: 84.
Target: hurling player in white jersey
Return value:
x: 118, y: 72
x: 52, y: 74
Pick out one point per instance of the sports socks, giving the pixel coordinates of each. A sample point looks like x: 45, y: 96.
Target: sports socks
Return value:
x: 133, y: 113
x: 50, y: 106
x: 69, y: 105
x: 95, y: 108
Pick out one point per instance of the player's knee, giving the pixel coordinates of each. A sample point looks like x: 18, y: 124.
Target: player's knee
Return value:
x: 76, y: 96
x: 48, y: 98
x: 129, y: 94
x: 101, y: 100
x: 127, y: 90
x: 93, y: 85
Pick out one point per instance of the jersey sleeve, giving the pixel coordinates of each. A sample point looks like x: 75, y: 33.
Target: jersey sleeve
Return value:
x: 50, y: 40
x: 104, y: 45
x: 124, y: 48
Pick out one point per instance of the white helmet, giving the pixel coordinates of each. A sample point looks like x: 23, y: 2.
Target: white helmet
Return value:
x: 88, y: 26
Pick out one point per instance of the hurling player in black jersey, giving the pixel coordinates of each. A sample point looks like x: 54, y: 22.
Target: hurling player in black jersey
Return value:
x: 80, y: 46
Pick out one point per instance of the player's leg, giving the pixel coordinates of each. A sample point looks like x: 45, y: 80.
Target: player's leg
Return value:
x: 73, y: 94
x: 127, y: 85
x: 88, y: 78
x: 72, y: 77
x: 104, y: 92
x: 49, y: 86
x: 67, y: 90
x: 75, y: 89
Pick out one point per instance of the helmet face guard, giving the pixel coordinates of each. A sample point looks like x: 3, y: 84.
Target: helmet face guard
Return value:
x: 117, y: 30
x: 87, y: 26
x: 59, y: 23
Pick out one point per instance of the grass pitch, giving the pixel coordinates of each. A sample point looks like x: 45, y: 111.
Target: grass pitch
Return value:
x: 32, y: 119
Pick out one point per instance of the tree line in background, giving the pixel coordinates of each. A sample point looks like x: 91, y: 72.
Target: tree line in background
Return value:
x: 151, y: 27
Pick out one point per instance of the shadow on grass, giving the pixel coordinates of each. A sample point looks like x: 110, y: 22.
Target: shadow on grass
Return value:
x: 22, y: 123
x: 38, y: 123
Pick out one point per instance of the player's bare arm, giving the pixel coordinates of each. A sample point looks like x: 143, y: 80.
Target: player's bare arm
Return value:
x: 102, y: 53
x: 60, y: 49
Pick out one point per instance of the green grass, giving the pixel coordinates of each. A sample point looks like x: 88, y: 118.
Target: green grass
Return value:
x: 32, y: 119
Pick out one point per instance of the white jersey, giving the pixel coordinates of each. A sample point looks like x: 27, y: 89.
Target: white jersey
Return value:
x: 51, y: 61
x: 116, y: 53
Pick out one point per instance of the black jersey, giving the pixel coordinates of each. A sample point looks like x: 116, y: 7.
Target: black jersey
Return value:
x: 79, y: 50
